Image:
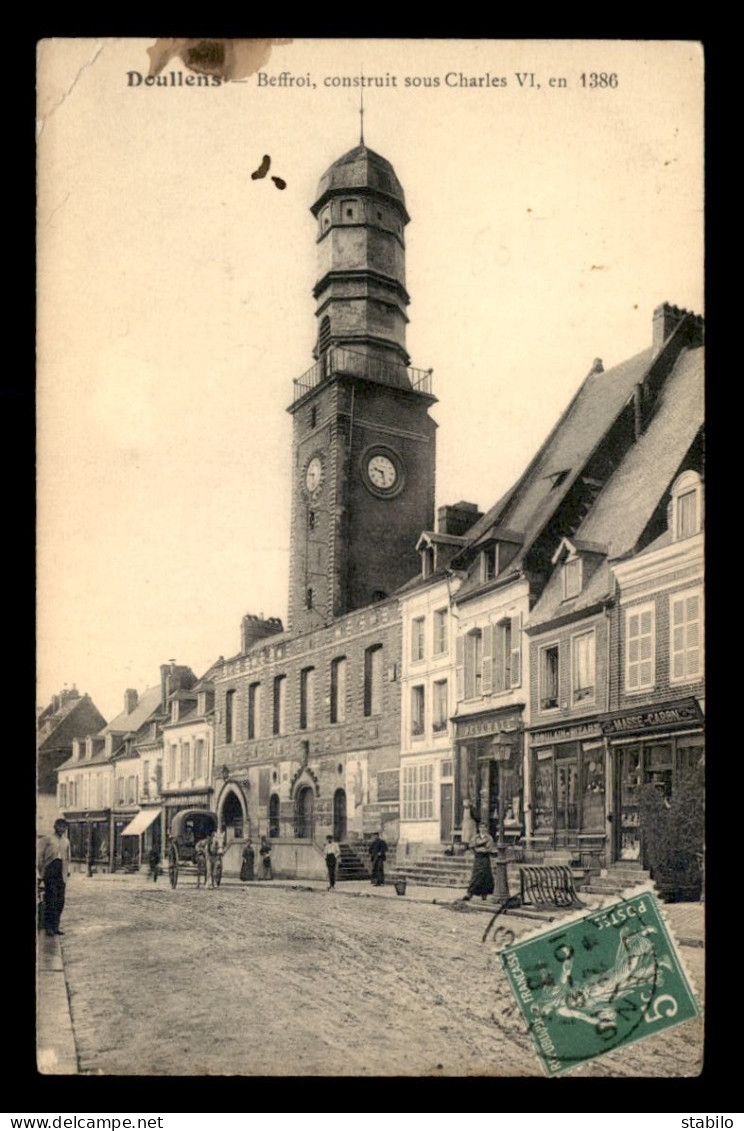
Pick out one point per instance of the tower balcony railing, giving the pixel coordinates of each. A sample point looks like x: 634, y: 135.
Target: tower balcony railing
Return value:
x: 337, y: 361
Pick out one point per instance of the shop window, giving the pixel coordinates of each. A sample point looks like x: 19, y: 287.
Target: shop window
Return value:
x: 583, y: 667
x: 254, y: 710
x: 417, y: 638
x: 307, y: 698
x: 338, y: 690
x: 640, y: 647
x: 373, y: 680
x: 543, y: 792
x: 593, y: 790
x: 439, y: 706
x: 417, y: 711
x: 687, y: 506
x: 548, y: 676
x: 280, y: 704
x: 418, y: 793
x: 686, y: 645
x: 440, y: 632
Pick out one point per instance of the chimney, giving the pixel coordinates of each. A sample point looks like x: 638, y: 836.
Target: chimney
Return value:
x: 253, y: 628
x: 458, y: 518
x: 666, y: 320
x: 130, y: 700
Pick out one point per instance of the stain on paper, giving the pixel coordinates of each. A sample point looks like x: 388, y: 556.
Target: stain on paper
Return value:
x: 228, y: 59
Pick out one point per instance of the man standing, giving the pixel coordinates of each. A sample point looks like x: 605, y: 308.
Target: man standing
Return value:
x: 332, y: 859
x: 378, y: 852
x: 54, y: 869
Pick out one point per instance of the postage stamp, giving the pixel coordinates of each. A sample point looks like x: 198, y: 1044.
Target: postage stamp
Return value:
x: 602, y: 981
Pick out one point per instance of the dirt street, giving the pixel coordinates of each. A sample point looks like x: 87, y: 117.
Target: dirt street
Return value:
x: 267, y: 981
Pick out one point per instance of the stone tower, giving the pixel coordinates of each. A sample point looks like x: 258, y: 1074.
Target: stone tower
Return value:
x: 363, y: 441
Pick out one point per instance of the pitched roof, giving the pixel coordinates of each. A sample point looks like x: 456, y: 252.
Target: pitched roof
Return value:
x: 148, y: 704
x: 624, y: 506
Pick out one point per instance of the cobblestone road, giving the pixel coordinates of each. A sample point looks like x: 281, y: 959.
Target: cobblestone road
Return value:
x: 266, y: 981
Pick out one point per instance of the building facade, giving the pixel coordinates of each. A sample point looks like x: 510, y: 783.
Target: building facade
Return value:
x: 68, y: 716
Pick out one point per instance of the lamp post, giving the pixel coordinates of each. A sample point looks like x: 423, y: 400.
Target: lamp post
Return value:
x: 502, y: 746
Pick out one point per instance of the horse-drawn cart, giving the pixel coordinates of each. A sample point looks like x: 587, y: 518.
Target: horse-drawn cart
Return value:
x: 187, y: 853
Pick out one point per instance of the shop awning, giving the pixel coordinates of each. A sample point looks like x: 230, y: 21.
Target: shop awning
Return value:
x: 142, y: 821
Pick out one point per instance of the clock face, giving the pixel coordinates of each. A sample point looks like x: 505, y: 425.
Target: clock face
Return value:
x: 313, y: 474
x: 382, y: 472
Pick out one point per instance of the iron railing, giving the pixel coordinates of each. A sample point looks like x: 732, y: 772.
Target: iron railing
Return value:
x: 337, y: 361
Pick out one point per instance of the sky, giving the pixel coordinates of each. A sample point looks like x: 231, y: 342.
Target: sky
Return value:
x: 175, y: 305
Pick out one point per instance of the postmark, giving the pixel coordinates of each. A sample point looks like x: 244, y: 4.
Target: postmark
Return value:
x: 604, y: 980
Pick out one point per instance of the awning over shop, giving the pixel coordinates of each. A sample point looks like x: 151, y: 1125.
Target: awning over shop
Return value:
x: 142, y: 821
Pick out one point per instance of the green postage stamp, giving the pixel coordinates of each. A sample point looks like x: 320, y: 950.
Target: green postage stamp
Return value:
x: 599, y: 982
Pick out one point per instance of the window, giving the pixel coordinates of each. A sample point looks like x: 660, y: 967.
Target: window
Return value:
x: 280, y: 704
x: 172, y: 763
x: 63, y: 795
x: 324, y: 335
x: 254, y: 710
x: 185, y: 761
x: 418, y: 793
x: 313, y: 416
x: 571, y: 578
x: 123, y: 790
x: 507, y: 642
x: 349, y: 210
x: 131, y: 789
x: 145, y: 779
x: 427, y: 561
x: 439, y: 706
x: 311, y: 520
x: 417, y: 711
x: 307, y: 698
x: 229, y: 715
x: 308, y: 598
x: 440, y: 632
x: 489, y: 563
x: 473, y: 663
x: 583, y: 667
x: 687, y: 506
x: 686, y: 643
x: 640, y: 647
x: 549, y: 677
x: 373, y: 680
x: 417, y: 638
x: 338, y: 690
x: 199, y: 758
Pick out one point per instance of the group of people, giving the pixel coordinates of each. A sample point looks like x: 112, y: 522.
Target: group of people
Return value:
x: 248, y: 866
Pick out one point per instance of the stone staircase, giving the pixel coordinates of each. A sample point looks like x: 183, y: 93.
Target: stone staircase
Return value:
x: 354, y: 863
x: 432, y: 868
x: 617, y: 878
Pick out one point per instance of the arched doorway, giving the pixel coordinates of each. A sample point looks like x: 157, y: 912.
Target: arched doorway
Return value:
x: 305, y: 808
x: 232, y: 816
x: 339, y: 815
x: 274, y: 827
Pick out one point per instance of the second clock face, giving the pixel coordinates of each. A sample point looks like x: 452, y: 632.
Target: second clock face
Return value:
x: 382, y: 472
x: 314, y: 474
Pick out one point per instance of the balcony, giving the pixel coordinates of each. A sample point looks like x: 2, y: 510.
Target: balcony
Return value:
x: 336, y: 362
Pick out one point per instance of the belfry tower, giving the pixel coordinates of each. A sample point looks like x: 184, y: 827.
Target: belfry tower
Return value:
x: 363, y: 442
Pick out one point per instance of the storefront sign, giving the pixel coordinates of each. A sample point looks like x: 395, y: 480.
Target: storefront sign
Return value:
x: 477, y: 728
x: 682, y: 713
x: 566, y: 734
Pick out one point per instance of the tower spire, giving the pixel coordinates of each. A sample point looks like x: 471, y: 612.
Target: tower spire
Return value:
x: 361, y: 113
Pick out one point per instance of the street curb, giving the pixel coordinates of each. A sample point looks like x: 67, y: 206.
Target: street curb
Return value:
x: 56, y: 1050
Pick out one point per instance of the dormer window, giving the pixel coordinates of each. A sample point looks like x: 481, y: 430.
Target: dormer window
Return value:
x: 572, y: 579
x: 489, y: 563
x: 687, y: 506
x: 428, y: 561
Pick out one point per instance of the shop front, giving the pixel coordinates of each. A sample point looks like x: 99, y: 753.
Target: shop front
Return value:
x: 89, y: 837
x: 567, y: 790
x: 142, y: 834
x: 488, y: 773
x: 176, y: 801
x: 659, y: 746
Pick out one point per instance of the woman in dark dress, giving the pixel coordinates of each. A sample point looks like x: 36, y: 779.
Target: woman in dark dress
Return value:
x: 249, y: 857
x: 481, y: 879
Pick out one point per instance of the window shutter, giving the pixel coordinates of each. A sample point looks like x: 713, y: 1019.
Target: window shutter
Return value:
x: 487, y: 669
x: 515, y: 662
x: 499, y: 682
x: 460, y: 667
